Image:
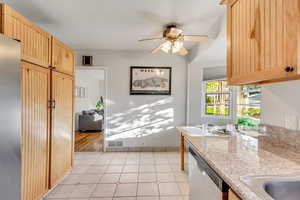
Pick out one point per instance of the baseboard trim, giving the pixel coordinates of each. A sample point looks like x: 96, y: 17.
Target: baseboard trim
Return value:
x: 141, y: 149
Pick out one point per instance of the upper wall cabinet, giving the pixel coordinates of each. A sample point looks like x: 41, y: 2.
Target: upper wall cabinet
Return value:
x: 263, y: 40
x: 35, y: 42
x: 62, y: 57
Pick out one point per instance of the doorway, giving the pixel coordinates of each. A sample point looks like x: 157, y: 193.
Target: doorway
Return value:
x: 90, y: 108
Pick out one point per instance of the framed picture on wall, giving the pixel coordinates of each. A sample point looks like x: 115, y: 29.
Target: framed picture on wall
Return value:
x: 81, y: 92
x: 150, y: 80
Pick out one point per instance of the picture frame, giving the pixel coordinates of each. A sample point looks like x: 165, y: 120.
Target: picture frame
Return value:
x: 80, y: 92
x: 150, y: 80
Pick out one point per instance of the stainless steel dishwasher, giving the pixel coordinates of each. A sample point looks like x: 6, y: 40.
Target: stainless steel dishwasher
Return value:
x: 205, y: 183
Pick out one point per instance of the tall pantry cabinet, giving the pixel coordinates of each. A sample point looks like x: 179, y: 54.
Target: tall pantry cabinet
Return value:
x: 62, y: 135
x: 47, y: 67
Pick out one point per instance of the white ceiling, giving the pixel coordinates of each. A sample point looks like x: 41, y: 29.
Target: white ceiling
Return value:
x: 118, y: 24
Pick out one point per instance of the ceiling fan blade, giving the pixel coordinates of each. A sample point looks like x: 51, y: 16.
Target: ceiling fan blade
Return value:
x: 194, y: 38
x: 158, y: 48
x: 150, y: 39
x: 183, y: 51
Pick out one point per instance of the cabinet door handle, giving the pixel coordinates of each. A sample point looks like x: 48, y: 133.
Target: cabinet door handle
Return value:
x: 51, y: 67
x: 289, y: 69
x: 53, y: 104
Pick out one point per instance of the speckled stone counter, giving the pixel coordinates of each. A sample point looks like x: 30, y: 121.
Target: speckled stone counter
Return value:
x: 235, y: 156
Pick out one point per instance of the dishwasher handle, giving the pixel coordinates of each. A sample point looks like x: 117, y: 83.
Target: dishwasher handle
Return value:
x: 202, y: 164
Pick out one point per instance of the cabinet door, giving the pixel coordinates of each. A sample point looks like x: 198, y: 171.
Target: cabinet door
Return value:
x: 232, y: 196
x: 35, y: 131
x: 262, y: 40
x: 279, y: 21
x: 243, y: 45
x: 62, y: 57
x: 35, y: 43
x: 62, y: 126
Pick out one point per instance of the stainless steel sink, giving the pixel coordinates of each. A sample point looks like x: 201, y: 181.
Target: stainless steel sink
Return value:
x: 274, y: 187
x: 283, y: 190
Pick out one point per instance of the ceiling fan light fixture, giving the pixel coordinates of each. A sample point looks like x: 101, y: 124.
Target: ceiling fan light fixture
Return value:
x: 166, y: 47
x: 177, y: 45
x: 174, y: 39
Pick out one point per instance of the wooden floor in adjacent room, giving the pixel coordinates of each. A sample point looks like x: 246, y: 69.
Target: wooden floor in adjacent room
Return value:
x: 88, y: 141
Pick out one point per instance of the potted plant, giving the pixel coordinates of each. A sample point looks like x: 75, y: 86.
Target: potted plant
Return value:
x: 100, y: 104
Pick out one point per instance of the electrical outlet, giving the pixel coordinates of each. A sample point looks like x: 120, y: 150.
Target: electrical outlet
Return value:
x: 115, y: 143
x: 119, y: 143
x: 291, y: 122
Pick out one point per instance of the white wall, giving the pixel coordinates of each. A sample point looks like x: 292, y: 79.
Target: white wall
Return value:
x: 281, y: 102
x: 195, y: 74
x: 93, y: 80
x: 207, y: 54
x: 142, y: 120
x: 213, y: 51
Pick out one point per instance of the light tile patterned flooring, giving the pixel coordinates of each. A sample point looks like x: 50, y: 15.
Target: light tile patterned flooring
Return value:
x: 124, y: 176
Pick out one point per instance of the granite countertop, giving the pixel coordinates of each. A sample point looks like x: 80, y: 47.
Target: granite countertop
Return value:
x: 198, y: 131
x: 235, y: 156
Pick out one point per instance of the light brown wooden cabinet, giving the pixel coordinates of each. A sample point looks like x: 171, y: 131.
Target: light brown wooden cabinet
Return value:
x: 263, y: 40
x: 35, y: 131
x: 62, y: 57
x: 35, y: 42
x: 233, y: 196
x: 62, y: 126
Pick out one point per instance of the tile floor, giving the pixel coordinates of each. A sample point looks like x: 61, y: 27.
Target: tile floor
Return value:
x: 123, y: 176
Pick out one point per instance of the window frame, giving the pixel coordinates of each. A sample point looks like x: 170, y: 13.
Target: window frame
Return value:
x: 246, y: 105
x: 203, y: 105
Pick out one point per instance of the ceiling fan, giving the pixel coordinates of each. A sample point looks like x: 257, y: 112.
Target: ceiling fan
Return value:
x: 173, y: 37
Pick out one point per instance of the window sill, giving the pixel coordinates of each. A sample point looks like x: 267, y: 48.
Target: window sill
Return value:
x: 217, y: 117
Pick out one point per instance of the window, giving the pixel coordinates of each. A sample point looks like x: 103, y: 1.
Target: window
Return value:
x: 248, y: 105
x: 217, y: 98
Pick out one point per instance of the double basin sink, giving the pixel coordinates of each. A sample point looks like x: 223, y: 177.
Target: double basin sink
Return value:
x: 274, y: 187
